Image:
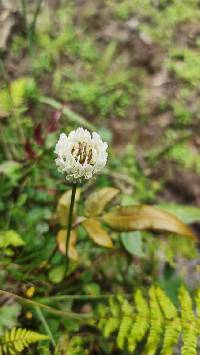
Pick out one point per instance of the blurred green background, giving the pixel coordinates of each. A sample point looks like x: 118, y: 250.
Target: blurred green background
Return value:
x: 129, y: 70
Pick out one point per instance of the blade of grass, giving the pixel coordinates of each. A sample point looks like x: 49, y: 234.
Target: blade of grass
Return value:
x: 45, y: 324
x: 71, y: 115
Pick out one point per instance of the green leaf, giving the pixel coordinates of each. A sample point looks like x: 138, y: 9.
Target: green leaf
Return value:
x: 19, y: 90
x: 10, y: 237
x: 132, y: 242
x: 187, y: 214
x: 126, y: 219
x: 97, y: 201
x: 8, y: 316
x: 57, y: 274
x: 10, y: 168
x: 92, y: 289
x: 97, y: 233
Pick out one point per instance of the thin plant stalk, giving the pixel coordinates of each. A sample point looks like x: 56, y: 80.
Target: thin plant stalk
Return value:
x: 30, y: 28
x: 70, y: 220
x: 48, y: 309
x: 24, y: 13
x: 35, y: 16
x: 45, y: 324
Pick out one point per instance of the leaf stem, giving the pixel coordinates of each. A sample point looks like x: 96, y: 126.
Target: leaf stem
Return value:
x: 69, y: 227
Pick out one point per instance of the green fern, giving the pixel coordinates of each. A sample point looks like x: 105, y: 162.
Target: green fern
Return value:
x: 172, y: 326
x: 198, y: 309
x: 16, y: 340
x: 189, y: 324
x: 125, y: 323
x: 156, y: 324
x: 141, y: 324
x: 157, y: 320
x: 76, y: 345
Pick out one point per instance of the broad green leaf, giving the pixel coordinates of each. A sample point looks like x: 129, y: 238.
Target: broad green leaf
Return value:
x: 97, y: 233
x: 9, y: 168
x: 61, y: 241
x: 125, y: 219
x: 19, y: 90
x: 92, y: 289
x: 187, y: 214
x: 57, y: 274
x: 10, y: 237
x: 62, y: 210
x: 8, y: 316
x: 132, y: 242
x: 97, y: 201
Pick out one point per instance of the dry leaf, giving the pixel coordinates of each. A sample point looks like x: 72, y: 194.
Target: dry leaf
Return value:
x: 97, y: 233
x: 61, y: 242
x: 132, y: 218
x: 97, y: 201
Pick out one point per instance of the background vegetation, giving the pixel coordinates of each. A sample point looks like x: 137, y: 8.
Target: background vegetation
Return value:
x: 129, y: 70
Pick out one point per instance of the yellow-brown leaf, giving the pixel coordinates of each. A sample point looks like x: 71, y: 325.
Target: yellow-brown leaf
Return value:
x: 145, y: 218
x: 61, y: 242
x: 97, y: 201
x: 97, y: 233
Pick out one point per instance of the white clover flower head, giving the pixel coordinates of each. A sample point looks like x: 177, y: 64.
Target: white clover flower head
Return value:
x: 80, y: 155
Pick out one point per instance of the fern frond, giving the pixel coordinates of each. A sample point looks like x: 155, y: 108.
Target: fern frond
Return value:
x: 197, y: 299
x: 172, y: 327
x: 156, y: 323
x: 189, y: 324
x: 141, y: 324
x: 157, y: 320
x: 125, y: 324
x: 17, y: 339
x: 113, y: 322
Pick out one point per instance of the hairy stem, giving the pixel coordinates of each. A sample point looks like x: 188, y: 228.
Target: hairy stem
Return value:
x: 69, y: 227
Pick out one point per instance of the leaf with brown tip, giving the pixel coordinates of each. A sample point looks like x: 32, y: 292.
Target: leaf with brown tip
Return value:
x: 97, y: 233
x: 61, y: 242
x: 97, y: 201
x: 143, y: 217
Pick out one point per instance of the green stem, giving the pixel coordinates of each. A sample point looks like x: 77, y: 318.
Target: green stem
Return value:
x: 45, y: 324
x: 69, y: 227
x: 48, y: 309
x: 24, y: 13
x: 35, y: 16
